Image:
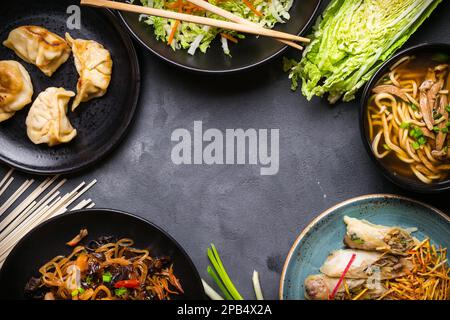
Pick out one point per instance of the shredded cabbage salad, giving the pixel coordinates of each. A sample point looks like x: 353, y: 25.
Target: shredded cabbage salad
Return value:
x: 193, y: 37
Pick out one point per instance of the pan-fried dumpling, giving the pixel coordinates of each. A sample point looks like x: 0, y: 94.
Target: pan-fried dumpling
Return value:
x: 47, y: 121
x: 94, y: 66
x: 320, y: 287
x: 38, y: 46
x: 15, y: 88
x: 365, y: 265
x: 364, y: 235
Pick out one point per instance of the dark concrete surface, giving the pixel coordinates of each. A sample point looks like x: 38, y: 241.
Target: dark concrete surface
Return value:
x: 252, y: 219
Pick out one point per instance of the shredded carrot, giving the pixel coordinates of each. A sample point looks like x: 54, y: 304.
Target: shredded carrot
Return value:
x: 428, y: 280
x: 342, y: 276
x: 82, y: 262
x: 252, y: 7
x: 229, y: 37
x: 172, y: 33
x: 176, y: 24
x: 360, y: 294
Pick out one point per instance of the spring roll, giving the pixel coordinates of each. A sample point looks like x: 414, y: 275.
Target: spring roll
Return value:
x: 367, y: 264
x: 364, y: 235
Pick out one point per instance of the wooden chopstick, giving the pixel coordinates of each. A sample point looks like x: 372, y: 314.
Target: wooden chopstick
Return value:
x: 232, y: 17
x: 191, y: 18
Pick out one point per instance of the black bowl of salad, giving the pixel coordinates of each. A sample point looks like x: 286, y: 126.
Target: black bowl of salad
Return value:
x: 205, y: 49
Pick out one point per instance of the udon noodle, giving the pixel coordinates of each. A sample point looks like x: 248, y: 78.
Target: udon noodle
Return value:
x: 408, y: 119
x: 107, y: 270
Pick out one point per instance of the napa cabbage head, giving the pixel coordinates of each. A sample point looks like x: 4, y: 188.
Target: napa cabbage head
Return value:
x: 351, y: 40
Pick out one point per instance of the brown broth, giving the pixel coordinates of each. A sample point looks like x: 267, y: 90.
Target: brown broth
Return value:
x: 415, y: 69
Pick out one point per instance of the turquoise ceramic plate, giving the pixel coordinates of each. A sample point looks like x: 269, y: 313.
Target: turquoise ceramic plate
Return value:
x: 326, y: 233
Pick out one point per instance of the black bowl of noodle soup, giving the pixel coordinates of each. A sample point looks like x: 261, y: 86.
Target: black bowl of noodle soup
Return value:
x: 405, y: 118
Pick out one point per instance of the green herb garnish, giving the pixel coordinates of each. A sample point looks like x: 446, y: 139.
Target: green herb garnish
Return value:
x: 416, y: 145
x: 120, y: 292
x: 74, y: 293
x: 422, y: 140
x: 416, y: 132
x: 404, y: 125
x: 107, y: 277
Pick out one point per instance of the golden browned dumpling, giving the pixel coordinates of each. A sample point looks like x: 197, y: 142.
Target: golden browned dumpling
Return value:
x: 47, y: 121
x: 16, y: 89
x: 39, y: 46
x: 94, y: 66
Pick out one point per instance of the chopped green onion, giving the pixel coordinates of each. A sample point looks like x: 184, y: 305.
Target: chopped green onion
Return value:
x: 404, y: 125
x: 81, y: 290
x: 107, y: 277
x: 416, y: 132
x: 74, y: 293
x: 436, y: 129
x: 444, y: 130
x: 88, y: 279
x: 120, y: 292
x: 415, y: 145
x: 447, y: 108
x: 447, y: 124
x: 413, y: 106
x: 422, y: 140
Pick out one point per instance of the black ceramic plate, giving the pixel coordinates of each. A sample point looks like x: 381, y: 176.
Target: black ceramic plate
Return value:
x: 247, y: 53
x: 48, y: 240
x: 102, y: 122
x: 402, y: 181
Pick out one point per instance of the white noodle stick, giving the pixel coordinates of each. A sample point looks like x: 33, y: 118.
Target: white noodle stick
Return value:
x: 69, y: 196
x: 51, y: 212
x: 21, y: 230
x: 35, y: 211
x: 15, y: 196
x: 57, y: 208
x: 79, y: 194
x: 51, y: 193
x: 81, y: 205
x: 8, y: 174
x: 20, y: 233
x: 63, y: 202
x: 91, y: 205
x: 27, y: 211
x: 18, y: 213
x: 6, y: 185
x: 60, y: 211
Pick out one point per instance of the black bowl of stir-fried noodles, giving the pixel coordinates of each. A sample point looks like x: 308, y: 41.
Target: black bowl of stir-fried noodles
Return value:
x: 405, y: 118
x: 99, y: 254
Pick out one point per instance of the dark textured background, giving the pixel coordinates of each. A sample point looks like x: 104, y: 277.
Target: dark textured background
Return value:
x: 252, y: 219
